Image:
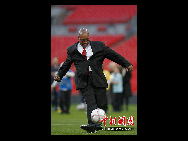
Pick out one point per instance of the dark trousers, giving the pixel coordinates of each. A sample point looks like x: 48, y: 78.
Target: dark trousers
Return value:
x: 95, y: 97
x: 65, y: 100
x: 117, y: 101
x: 54, y: 98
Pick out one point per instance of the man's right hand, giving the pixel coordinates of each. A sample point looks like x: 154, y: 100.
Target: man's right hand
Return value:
x: 57, y: 78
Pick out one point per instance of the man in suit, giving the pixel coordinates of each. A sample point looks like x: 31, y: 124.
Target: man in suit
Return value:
x: 88, y: 57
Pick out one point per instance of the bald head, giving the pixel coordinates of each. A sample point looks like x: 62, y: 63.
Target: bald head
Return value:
x: 83, y: 37
x: 83, y: 31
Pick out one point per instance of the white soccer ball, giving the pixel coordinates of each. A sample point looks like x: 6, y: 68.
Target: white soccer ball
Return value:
x: 97, y: 115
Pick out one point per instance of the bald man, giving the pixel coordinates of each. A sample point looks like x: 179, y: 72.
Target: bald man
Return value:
x: 88, y: 57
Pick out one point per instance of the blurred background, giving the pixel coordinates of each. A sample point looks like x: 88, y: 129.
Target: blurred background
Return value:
x: 115, y: 25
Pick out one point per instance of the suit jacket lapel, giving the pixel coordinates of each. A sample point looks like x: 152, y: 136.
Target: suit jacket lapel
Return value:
x: 75, y: 48
x: 76, y: 51
x: 94, y: 48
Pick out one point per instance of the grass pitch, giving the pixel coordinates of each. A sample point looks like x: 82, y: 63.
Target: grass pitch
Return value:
x: 69, y: 124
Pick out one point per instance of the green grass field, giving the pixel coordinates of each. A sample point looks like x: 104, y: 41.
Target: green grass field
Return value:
x: 69, y: 124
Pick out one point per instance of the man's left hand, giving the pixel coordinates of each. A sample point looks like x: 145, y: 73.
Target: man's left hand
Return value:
x: 130, y: 68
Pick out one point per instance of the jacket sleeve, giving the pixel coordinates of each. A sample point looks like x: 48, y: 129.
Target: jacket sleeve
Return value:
x: 115, y: 57
x: 66, y: 66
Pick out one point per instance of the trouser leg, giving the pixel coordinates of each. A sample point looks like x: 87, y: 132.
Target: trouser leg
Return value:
x: 67, y: 100
x: 94, y: 97
x: 62, y: 101
x: 90, y: 100
x: 101, y: 98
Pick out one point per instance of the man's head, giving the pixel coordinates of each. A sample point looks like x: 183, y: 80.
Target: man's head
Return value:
x: 83, y: 37
x: 55, y: 61
x: 116, y: 69
x: 111, y: 66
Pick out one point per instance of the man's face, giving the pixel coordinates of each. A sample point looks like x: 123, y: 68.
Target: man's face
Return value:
x: 84, y: 40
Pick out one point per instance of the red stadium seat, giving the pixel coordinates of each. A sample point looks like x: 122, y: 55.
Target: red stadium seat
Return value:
x: 93, y: 14
x: 72, y: 29
x: 101, y: 28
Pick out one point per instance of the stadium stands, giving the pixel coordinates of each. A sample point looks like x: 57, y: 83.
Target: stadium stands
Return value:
x: 69, y: 7
x: 95, y: 14
x: 128, y: 49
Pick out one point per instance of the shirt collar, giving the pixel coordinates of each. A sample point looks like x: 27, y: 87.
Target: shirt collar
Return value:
x: 88, y: 46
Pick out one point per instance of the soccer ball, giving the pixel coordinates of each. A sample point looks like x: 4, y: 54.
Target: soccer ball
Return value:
x: 97, y: 115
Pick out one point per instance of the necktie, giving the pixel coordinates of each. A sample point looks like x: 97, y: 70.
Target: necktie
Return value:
x: 84, y: 54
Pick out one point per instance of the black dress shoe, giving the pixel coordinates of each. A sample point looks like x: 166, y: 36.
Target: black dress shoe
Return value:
x: 91, y: 128
x: 98, y: 127
x: 88, y: 128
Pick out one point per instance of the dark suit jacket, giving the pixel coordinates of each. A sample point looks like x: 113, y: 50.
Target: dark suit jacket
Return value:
x: 100, y: 52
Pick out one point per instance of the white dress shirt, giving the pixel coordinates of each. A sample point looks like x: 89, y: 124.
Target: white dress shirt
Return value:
x: 89, y: 51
